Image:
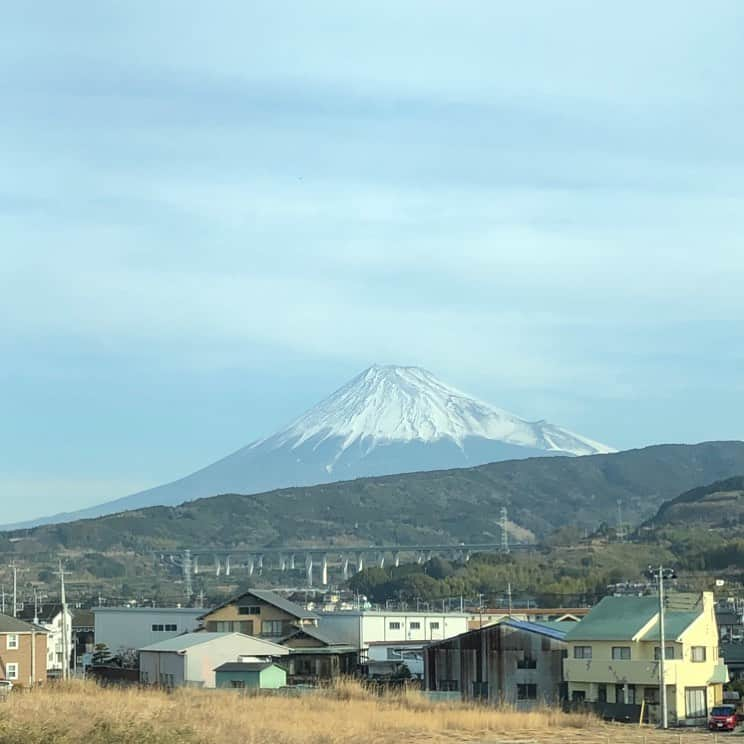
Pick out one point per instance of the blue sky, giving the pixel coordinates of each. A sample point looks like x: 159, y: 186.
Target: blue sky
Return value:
x: 211, y: 216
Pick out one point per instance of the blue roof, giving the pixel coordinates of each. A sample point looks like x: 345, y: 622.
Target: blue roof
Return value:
x: 550, y: 631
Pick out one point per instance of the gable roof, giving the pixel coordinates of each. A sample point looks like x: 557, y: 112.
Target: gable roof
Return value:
x: 271, y: 598
x: 10, y: 624
x: 675, y: 624
x: 547, y: 628
x: 623, y: 618
x: 312, y: 632
x: 254, y: 646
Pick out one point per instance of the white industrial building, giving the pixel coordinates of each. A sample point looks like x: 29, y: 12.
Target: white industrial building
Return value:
x: 190, y: 660
x: 359, y: 628
x: 124, y: 628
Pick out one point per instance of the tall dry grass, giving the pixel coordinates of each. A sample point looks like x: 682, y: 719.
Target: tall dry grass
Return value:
x: 82, y: 713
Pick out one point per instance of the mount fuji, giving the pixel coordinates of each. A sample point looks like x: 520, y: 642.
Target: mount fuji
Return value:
x: 386, y: 420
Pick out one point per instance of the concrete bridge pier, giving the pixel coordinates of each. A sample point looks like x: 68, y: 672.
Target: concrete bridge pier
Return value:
x: 196, y: 565
x: 292, y: 562
x: 396, y: 558
x: 259, y: 564
x: 309, y: 568
x: 381, y: 560
x: 227, y: 566
x: 217, y: 566
x: 360, y: 562
x: 250, y: 565
x: 324, y: 570
x: 345, y: 570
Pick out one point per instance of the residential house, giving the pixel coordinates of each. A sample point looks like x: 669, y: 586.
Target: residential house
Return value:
x: 50, y: 617
x: 260, y: 613
x: 126, y: 628
x: 614, y: 653
x: 23, y: 652
x: 257, y: 675
x: 190, y: 660
x: 316, y: 657
x: 513, y: 662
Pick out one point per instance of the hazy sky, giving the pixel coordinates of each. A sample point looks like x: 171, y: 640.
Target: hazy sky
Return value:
x: 214, y: 214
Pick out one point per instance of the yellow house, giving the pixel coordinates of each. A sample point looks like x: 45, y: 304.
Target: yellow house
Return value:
x: 613, y: 656
x: 259, y: 613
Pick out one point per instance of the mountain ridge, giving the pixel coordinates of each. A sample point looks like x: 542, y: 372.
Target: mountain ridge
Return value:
x: 541, y: 495
x: 388, y: 419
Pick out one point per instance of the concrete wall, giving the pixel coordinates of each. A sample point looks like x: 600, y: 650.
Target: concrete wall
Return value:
x: 127, y: 628
x: 361, y: 629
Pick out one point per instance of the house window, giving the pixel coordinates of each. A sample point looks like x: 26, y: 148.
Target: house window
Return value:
x: 11, y: 671
x: 698, y: 653
x: 651, y: 695
x: 394, y: 653
x: 582, y: 652
x: 414, y: 626
x: 621, y: 652
x: 252, y: 610
x: 668, y: 653
x: 221, y: 626
x: 394, y: 626
x: 434, y: 625
x: 238, y: 684
x: 12, y: 642
x: 246, y: 627
x: 157, y: 628
x: 602, y: 693
x: 480, y: 690
x: 271, y: 628
x: 171, y: 628
x: 527, y: 662
x: 578, y: 696
x: 527, y: 692
x: 695, y: 704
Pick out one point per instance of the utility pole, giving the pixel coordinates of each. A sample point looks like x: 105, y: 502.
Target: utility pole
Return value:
x: 662, y: 652
x: 620, y: 532
x: 63, y: 599
x: 509, y: 597
x: 14, y: 568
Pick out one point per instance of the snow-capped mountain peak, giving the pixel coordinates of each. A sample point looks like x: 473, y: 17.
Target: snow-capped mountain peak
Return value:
x: 392, y: 404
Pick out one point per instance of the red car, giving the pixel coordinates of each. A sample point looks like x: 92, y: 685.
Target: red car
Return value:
x: 722, y: 718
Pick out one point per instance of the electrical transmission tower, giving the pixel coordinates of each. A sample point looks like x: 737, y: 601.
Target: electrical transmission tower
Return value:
x: 504, y: 522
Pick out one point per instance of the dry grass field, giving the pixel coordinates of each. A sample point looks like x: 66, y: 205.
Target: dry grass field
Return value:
x: 81, y: 713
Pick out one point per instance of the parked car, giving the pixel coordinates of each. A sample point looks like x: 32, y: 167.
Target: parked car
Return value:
x: 722, y: 718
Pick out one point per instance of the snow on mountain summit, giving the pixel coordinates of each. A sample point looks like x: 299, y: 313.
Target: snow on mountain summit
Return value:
x: 387, y: 404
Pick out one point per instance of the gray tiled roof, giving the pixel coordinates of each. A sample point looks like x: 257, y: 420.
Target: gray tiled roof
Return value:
x: 13, y: 625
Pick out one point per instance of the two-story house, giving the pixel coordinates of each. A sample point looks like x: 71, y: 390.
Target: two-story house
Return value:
x: 614, y: 656
x: 49, y: 617
x: 260, y: 613
x: 23, y: 652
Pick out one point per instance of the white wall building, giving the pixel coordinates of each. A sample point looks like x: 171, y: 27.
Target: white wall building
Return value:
x: 123, y: 628
x: 49, y: 617
x: 359, y: 628
x: 190, y: 660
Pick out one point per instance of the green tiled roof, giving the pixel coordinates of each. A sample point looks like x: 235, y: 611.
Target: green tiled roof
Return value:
x: 622, y: 618
x: 675, y: 623
x: 615, y: 618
